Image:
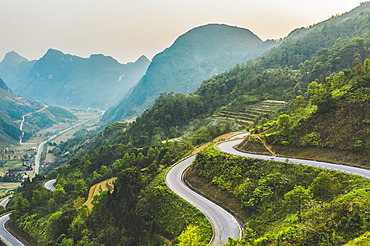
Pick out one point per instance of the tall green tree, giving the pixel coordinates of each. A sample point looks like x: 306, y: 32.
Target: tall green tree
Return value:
x: 296, y: 199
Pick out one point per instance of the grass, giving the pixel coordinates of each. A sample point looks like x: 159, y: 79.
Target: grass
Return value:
x: 6, y: 186
x: 10, y: 164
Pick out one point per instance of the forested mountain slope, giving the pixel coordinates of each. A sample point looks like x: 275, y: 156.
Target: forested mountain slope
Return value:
x: 285, y: 203
x: 333, y: 115
x: 195, y: 56
x: 299, y: 46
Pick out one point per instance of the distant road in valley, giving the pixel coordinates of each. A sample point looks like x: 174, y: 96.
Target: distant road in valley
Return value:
x: 23, y: 119
x: 41, y: 146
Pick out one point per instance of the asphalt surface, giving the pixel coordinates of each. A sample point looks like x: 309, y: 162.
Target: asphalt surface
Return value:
x: 227, y: 147
x: 224, y: 224
x: 5, y: 201
x: 50, y: 185
x: 5, y: 236
x: 41, y: 146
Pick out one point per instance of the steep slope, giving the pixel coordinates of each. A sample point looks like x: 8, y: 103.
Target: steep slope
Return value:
x: 195, y: 56
x: 303, y: 43
x: 331, y: 120
x: 344, y: 46
x: 14, y: 69
x: 67, y: 80
x: 12, y: 108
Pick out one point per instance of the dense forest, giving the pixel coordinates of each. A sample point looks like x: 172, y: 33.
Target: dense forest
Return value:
x: 148, y: 210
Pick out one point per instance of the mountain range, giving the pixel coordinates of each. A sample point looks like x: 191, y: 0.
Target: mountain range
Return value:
x: 67, y: 80
x: 195, y: 56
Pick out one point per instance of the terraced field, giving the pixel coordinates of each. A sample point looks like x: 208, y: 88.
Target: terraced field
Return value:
x: 96, y: 189
x: 110, y: 129
x: 251, y: 112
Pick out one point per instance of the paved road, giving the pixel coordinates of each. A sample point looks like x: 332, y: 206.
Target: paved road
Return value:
x: 224, y: 224
x: 23, y: 119
x: 5, y: 201
x: 5, y: 236
x: 227, y: 147
x: 50, y: 185
x: 41, y: 146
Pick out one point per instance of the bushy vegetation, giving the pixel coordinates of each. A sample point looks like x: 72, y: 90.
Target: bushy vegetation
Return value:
x: 332, y: 114
x: 288, y: 204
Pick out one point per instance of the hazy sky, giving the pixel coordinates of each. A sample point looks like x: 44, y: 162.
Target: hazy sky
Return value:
x: 126, y: 29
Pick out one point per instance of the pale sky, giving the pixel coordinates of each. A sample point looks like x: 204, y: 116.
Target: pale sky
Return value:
x: 126, y: 29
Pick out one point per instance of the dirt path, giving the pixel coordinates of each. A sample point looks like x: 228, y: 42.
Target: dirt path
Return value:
x: 269, y: 148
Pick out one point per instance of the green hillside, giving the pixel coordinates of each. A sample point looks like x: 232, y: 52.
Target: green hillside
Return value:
x: 12, y: 109
x: 333, y: 115
x: 247, y: 114
x: 283, y: 203
x: 299, y: 46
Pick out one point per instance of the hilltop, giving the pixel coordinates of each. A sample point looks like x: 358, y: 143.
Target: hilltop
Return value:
x: 195, y: 56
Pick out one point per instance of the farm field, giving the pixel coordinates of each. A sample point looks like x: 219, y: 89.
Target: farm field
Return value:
x: 96, y: 189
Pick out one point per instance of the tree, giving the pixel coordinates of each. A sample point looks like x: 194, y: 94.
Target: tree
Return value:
x: 53, y: 224
x: 296, y: 199
x: 173, y: 132
x: 59, y: 194
x: 284, y: 121
x: 299, y: 103
x: 190, y: 237
x: 324, y: 186
x: 80, y: 187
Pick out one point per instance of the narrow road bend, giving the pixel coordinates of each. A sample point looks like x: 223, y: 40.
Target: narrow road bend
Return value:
x: 224, y: 225
x: 5, y: 236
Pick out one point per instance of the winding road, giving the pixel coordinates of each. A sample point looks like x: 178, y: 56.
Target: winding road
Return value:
x: 23, y: 119
x: 228, y: 147
x: 224, y: 225
x: 5, y: 236
x: 50, y: 185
